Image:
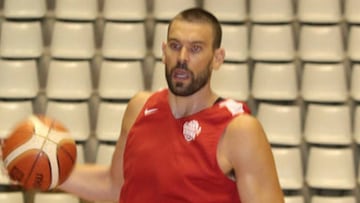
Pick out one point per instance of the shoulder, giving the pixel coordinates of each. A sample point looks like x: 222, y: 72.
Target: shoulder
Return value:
x: 134, y: 107
x: 139, y: 99
x: 244, y: 135
x: 246, y: 129
x: 244, y: 123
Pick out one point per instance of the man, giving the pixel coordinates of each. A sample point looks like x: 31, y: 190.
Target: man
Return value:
x: 185, y: 143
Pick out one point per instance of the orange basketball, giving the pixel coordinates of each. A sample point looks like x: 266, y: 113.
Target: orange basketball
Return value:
x: 39, y: 153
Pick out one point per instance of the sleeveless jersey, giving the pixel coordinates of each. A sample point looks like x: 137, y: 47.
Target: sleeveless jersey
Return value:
x: 169, y: 160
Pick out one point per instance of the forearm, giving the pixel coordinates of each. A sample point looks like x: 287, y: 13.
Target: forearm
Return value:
x: 91, y: 182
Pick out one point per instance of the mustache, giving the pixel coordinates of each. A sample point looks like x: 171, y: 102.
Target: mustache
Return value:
x: 181, y: 65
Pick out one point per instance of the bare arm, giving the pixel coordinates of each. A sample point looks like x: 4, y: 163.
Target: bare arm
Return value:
x: 93, y: 182
x: 249, y: 155
x: 90, y: 182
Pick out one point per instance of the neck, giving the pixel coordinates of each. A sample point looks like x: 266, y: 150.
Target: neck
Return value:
x: 186, y: 106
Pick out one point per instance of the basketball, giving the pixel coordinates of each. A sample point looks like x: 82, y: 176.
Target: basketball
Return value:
x: 39, y: 153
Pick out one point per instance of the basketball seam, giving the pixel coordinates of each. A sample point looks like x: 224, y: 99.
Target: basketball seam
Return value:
x: 41, y: 149
x: 32, y: 168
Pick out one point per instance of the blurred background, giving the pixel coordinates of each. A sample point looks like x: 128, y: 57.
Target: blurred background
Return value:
x: 295, y: 62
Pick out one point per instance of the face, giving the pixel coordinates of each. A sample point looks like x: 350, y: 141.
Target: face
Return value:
x: 189, y: 57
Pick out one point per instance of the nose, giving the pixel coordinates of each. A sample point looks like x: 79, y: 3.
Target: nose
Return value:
x: 183, y: 55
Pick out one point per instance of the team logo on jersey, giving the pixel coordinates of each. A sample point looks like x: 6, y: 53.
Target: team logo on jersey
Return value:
x: 191, y: 129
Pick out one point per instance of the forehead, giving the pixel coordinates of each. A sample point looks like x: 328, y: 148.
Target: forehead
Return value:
x: 190, y: 31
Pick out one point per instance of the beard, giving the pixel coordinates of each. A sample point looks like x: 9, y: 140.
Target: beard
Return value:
x: 180, y: 88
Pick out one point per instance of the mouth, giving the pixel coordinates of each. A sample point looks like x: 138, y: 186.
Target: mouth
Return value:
x: 181, y: 74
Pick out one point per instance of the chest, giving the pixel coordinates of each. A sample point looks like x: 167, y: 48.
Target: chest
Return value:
x: 167, y: 147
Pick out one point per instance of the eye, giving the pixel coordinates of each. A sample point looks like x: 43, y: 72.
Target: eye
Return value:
x: 175, y: 46
x: 196, y: 48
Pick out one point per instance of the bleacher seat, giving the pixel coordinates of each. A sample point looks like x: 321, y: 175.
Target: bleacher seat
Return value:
x: 124, y: 40
x: 55, y: 197
x: 158, y: 80
x: 230, y: 11
x: 235, y: 42
x: 316, y: 11
x: 236, y: 85
x: 321, y: 43
x: 353, y: 43
x: 109, y: 119
x: 282, y: 123
x: 80, y: 153
x: 24, y: 9
x: 271, y: 11
x: 123, y: 10
x: 12, y: 197
x: 331, y: 168
x: 272, y: 42
x: 69, y: 80
x: 355, y: 82
x: 328, y: 124
x: 120, y: 79
x: 160, y: 36
x: 351, y: 11
x: 79, y: 10
x: 289, y: 167
x: 333, y: 199
x: 294, y: 199
x: 21, y: 39
x: 104, y: 154
x: 73, y: 40
x: 324, y: 82
x: 275, y: 81
x: 18, y: 79
x: 357, y: 124
x: 11, y: 113
x: 358, y: 169
x: 166, y: 10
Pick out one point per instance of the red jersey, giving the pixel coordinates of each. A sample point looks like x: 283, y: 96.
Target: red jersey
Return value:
x: 169, y: 160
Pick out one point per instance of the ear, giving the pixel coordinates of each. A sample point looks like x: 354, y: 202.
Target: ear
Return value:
x: 163, y: 47
x: 219, y: 58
